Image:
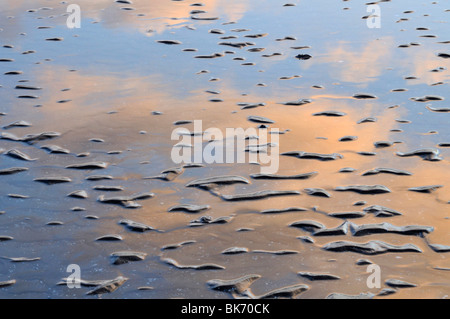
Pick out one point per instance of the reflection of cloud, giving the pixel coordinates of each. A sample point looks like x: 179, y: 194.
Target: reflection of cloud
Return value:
x: 420, y: 61
x: 93, y: 94
x: 155, y: 14
x: 365, y: 65
x: 358, y: 65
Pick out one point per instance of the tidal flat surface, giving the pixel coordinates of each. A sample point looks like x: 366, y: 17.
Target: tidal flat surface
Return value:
x: 87, y: 177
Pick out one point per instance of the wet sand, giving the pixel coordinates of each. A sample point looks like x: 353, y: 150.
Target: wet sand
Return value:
x: 87, y: 178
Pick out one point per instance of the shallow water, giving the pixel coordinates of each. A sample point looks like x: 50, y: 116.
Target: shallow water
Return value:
x: 100, y: 85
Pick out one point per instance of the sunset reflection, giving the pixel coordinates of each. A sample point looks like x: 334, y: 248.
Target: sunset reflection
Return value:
x: 114, y: 95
